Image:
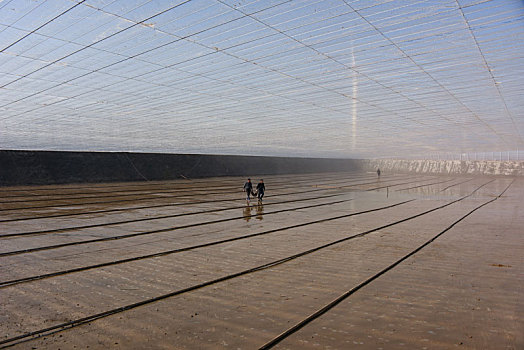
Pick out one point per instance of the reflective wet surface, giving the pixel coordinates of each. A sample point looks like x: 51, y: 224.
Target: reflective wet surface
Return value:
x: 190, y: 264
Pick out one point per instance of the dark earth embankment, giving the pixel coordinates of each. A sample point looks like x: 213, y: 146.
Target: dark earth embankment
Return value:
x: 55, y: 167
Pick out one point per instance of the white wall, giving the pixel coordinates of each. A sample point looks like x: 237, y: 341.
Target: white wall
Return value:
x: 481, y: 167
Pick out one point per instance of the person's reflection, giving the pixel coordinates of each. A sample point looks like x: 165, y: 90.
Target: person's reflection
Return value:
x: 247, y: 213
x: 260, y: 211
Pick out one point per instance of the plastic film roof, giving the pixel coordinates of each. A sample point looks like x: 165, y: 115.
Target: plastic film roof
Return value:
x: 335, y: 78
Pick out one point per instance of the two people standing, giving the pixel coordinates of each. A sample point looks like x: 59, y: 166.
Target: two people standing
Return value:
x: 248, y: 188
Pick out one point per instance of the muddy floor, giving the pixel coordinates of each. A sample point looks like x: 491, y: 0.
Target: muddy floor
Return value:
x: 325, y: 261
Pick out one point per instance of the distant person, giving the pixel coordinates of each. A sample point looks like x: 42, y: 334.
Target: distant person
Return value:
x: 248, y: 188
x: 261, y: 188
x: 378, y: 172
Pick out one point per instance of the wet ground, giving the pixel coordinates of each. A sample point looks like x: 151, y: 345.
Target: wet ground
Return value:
x: 327, y: 261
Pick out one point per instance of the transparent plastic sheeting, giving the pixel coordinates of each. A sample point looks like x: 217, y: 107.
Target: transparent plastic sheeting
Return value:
x: 326, y: 78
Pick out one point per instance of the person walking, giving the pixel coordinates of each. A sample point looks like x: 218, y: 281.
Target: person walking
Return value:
x: 248, y: 188
x: 378, y: 172
x: 261, y: 188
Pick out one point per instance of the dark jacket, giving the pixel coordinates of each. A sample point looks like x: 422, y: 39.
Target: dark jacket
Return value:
x: 261, y: 187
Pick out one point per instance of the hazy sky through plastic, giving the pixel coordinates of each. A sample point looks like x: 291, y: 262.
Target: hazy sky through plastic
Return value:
x: 322, y: 78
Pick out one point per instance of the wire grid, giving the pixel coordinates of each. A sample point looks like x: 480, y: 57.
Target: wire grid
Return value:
x: 326, y: 78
